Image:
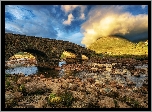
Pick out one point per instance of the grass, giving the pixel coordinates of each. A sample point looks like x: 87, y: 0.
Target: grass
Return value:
x: 114, y: 46
x: 23, y: 55
x: 65, y: 99
x: 67, y: 54
x: 131, y: 102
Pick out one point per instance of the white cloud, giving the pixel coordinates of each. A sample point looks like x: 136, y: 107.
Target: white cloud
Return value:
x: 82, y: 9
x: 17, y: 12
x: 143, y: 6
x: 42, y: 24
x: 69, y: 20
x: 106, y: 21
x: 82, y: 16
x: 68, y: 8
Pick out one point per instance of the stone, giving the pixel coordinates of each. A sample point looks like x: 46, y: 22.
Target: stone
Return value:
x: 21, y: 80
x: 43, y: 46
x: 42, y: 76
x: 35, y: 87
x: 12, y: 98
x: 106, y: 102
x: 73, y: 87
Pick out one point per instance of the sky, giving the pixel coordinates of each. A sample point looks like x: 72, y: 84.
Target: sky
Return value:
x: 80, y: 24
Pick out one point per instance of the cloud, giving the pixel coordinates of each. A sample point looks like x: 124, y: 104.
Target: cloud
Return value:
x: 82, y: 9
x: 82, y: 16
x: 31, y: 21
x: 111, y: 20
x: 68, y: 8
x: 143, y: 6
x: 69, y: 20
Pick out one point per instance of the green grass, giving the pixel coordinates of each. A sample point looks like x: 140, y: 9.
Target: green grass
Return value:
x: 65, y: 99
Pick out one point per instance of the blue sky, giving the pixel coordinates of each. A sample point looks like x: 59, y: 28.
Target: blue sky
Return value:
x: 80, y: 24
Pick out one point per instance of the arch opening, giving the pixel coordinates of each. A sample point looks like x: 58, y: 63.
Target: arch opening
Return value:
x: 31, y: 56
x: 21, y: 63
x: 84, y: 57
x: 21, y: 59
x: 69, y: 56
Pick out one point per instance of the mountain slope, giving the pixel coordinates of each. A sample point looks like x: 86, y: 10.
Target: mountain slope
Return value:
x: 118, y: 46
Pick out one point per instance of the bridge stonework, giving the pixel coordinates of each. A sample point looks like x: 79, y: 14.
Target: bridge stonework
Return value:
x: 47, y: 51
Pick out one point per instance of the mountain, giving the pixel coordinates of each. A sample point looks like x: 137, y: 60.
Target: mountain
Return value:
x: 114, y: 45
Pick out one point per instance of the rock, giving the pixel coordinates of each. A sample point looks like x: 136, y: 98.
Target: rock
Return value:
x: 64, y: 85
x: 21, y: 80
x: 91, y: 80
x: 35, y: 87
x: 78, y: 95
x: 42, y: 76
x: 107, y: 102
x: 56, y: 80
x: 71, y: 77
x: 21, y: 75
x: 113, y: 83
x: 88, y: 89
x: 79, y: 104
x: 68, y: 80
x: 12, y: 98
x: 41, y: 103
x: 86, y: 101
x: 28, y: 79
x: 56, y: 87
x: 73, y: 87
x: 122, y: 105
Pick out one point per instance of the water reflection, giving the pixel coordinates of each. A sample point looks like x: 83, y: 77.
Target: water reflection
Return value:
x: 61, y: 63
x: 24, y: 70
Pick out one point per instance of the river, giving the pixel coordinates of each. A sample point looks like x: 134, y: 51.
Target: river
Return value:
x: 122, y: 76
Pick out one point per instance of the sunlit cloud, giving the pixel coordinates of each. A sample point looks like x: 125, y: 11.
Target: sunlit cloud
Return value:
x: 69, y: 20
x: 111, y: 20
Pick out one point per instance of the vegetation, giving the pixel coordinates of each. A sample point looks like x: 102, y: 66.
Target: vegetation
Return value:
x: 65, y: 99
x: 114, y: 46
x: 22, y: 55
x: 22, y: 88
x: 67, y: 54
x: 131, y: 102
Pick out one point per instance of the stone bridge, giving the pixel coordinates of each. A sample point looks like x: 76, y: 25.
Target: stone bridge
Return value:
x: 47, y: 51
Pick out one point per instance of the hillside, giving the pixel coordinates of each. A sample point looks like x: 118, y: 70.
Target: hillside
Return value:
x: 119, y: 46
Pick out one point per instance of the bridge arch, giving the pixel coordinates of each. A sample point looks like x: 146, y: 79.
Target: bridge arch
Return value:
x: 47, y: 51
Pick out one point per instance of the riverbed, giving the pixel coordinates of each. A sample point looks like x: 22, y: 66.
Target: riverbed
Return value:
x: 136, y: 73
x: 123, y: 83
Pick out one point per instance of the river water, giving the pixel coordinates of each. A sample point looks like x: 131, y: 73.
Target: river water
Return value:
x: 17, y: 68
x: 20, y: 68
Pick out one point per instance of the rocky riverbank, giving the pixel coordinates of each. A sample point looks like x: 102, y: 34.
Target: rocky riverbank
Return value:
x: 106, y: 83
